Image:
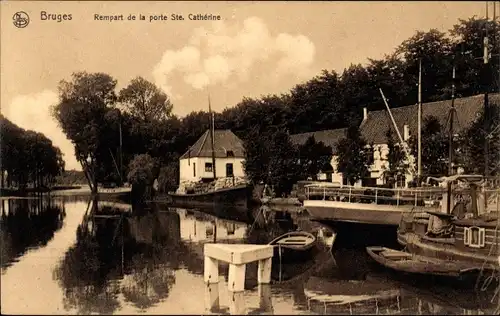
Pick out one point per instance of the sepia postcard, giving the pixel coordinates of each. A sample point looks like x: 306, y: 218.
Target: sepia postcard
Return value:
x: 250, y: 157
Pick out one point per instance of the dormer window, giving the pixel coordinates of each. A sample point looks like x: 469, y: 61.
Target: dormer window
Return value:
x: 229, y: 153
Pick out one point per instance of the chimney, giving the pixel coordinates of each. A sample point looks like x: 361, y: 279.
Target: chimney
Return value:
x: 406, y: 131
x: 365, y: 114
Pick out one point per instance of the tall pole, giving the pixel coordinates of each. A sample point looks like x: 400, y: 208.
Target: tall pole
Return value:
x: 452, y: 113
x: 486, y: 79
x: 212, y: 132
x: 419, y: 162
x: 121, y: 153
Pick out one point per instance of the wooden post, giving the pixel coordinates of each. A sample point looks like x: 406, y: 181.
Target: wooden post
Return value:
x: 212, y: 297
x: 265, y: 301
x: 236, y: 278
x: 211, y: 273
x: 264, y: 276
x: 237, y: 303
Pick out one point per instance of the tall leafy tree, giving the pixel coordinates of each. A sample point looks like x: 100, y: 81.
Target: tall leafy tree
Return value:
x: 314, y: 157
x: 434, y: 49
x: 434, y: 147
x: 283, y: 165
x: 355, y: 156
x: 473, y: 142
x: 396, y: 158
x: 81, y: 112
x: 257, y: 156
x: 316, y: 104
x: 468, y: 47
x: 145, y: 100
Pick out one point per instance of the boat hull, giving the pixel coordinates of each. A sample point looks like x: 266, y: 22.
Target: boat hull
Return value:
x: 236, y: 197
x: 293, y: 255
x: 406, y: 262
x: 362, y: 213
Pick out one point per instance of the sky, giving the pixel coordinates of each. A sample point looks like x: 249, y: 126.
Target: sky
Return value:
x: 257, y: 48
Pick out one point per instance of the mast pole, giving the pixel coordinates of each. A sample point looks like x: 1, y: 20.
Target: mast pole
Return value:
x: 419, y: 162
x: 212, y: 132
x: 452, y: 113
x: 486, y: 98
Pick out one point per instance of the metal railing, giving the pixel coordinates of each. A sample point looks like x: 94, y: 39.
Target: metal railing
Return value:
x: 430, y: 196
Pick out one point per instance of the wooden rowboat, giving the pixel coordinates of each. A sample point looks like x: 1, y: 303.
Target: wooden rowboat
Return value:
x: 293, y: 245
x: 406, y: 262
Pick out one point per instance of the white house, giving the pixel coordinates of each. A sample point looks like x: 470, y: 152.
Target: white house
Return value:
x: 196, y: 163
x: 375, y: 124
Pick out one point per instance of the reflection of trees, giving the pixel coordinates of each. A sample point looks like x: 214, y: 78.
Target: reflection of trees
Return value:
x: 88, y: 266
x: 135, y: 256
x: 28, y: 223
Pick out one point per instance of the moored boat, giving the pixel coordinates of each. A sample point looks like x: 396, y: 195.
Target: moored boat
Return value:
x: 367, y: 205
x: 237, y: 196
x: 293, y: 246
x: 463, y: 240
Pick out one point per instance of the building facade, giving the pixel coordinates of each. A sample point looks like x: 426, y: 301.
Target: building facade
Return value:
x: 197, y: 163
x: 375, y: 125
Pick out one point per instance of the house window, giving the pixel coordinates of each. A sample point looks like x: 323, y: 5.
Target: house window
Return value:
x: 229, y: 170
x: 474, y: 237
x: 194, y: 169
x: 229, y: 153
x: 208, y: 167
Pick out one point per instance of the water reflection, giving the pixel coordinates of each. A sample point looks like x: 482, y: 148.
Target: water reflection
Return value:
x: 101, y: 257
x: 27, y: 224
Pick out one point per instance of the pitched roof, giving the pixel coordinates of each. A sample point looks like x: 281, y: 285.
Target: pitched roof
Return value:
x: 329, y: 137
x: 468, y: 109
x: 225, y: 141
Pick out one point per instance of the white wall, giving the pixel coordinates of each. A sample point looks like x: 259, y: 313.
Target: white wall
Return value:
x: 186, y: 168
x: 376, y: 169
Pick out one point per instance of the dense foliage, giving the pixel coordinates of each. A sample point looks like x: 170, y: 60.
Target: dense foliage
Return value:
x: 355, y: 156
x: 93, y: 115
x: 397, y: 164
x: 28, y: 158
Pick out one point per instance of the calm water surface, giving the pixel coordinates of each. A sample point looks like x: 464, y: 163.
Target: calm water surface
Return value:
x: 73, y: 256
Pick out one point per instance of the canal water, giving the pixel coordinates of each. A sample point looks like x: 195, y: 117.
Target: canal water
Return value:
x: 70, y: 255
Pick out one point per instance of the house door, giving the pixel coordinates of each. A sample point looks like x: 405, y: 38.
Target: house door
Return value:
x: 229, y: 170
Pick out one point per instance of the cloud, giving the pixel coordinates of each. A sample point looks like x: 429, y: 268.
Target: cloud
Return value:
x: 225, y: 53
x: 33, y: 112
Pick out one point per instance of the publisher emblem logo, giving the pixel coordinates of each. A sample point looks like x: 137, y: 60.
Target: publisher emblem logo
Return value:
x: 21, y: 19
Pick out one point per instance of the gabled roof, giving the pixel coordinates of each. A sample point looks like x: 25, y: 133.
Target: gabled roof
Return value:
x: 329, y: 137
x: 468, y: 109
x: 225, y: 141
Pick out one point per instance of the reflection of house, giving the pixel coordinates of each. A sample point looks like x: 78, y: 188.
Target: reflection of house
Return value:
x: 196, y: 164
x: 196, y: 231
x: 376, y: 123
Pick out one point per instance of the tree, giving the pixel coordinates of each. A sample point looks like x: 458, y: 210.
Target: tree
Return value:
x: 314, y: 157
x: 316, y: 104
x: 141, y: 175
x: 468, y: 47
x: 168, y: 179
x: 257, y: 156
x: 283, y: 168
x: 473, y: 141
x: 146, y: 101
x: 355, y: 156
x: 81, y: 112
x: 396, y: 158
x: 434, y: 49
x: 434, y: 147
